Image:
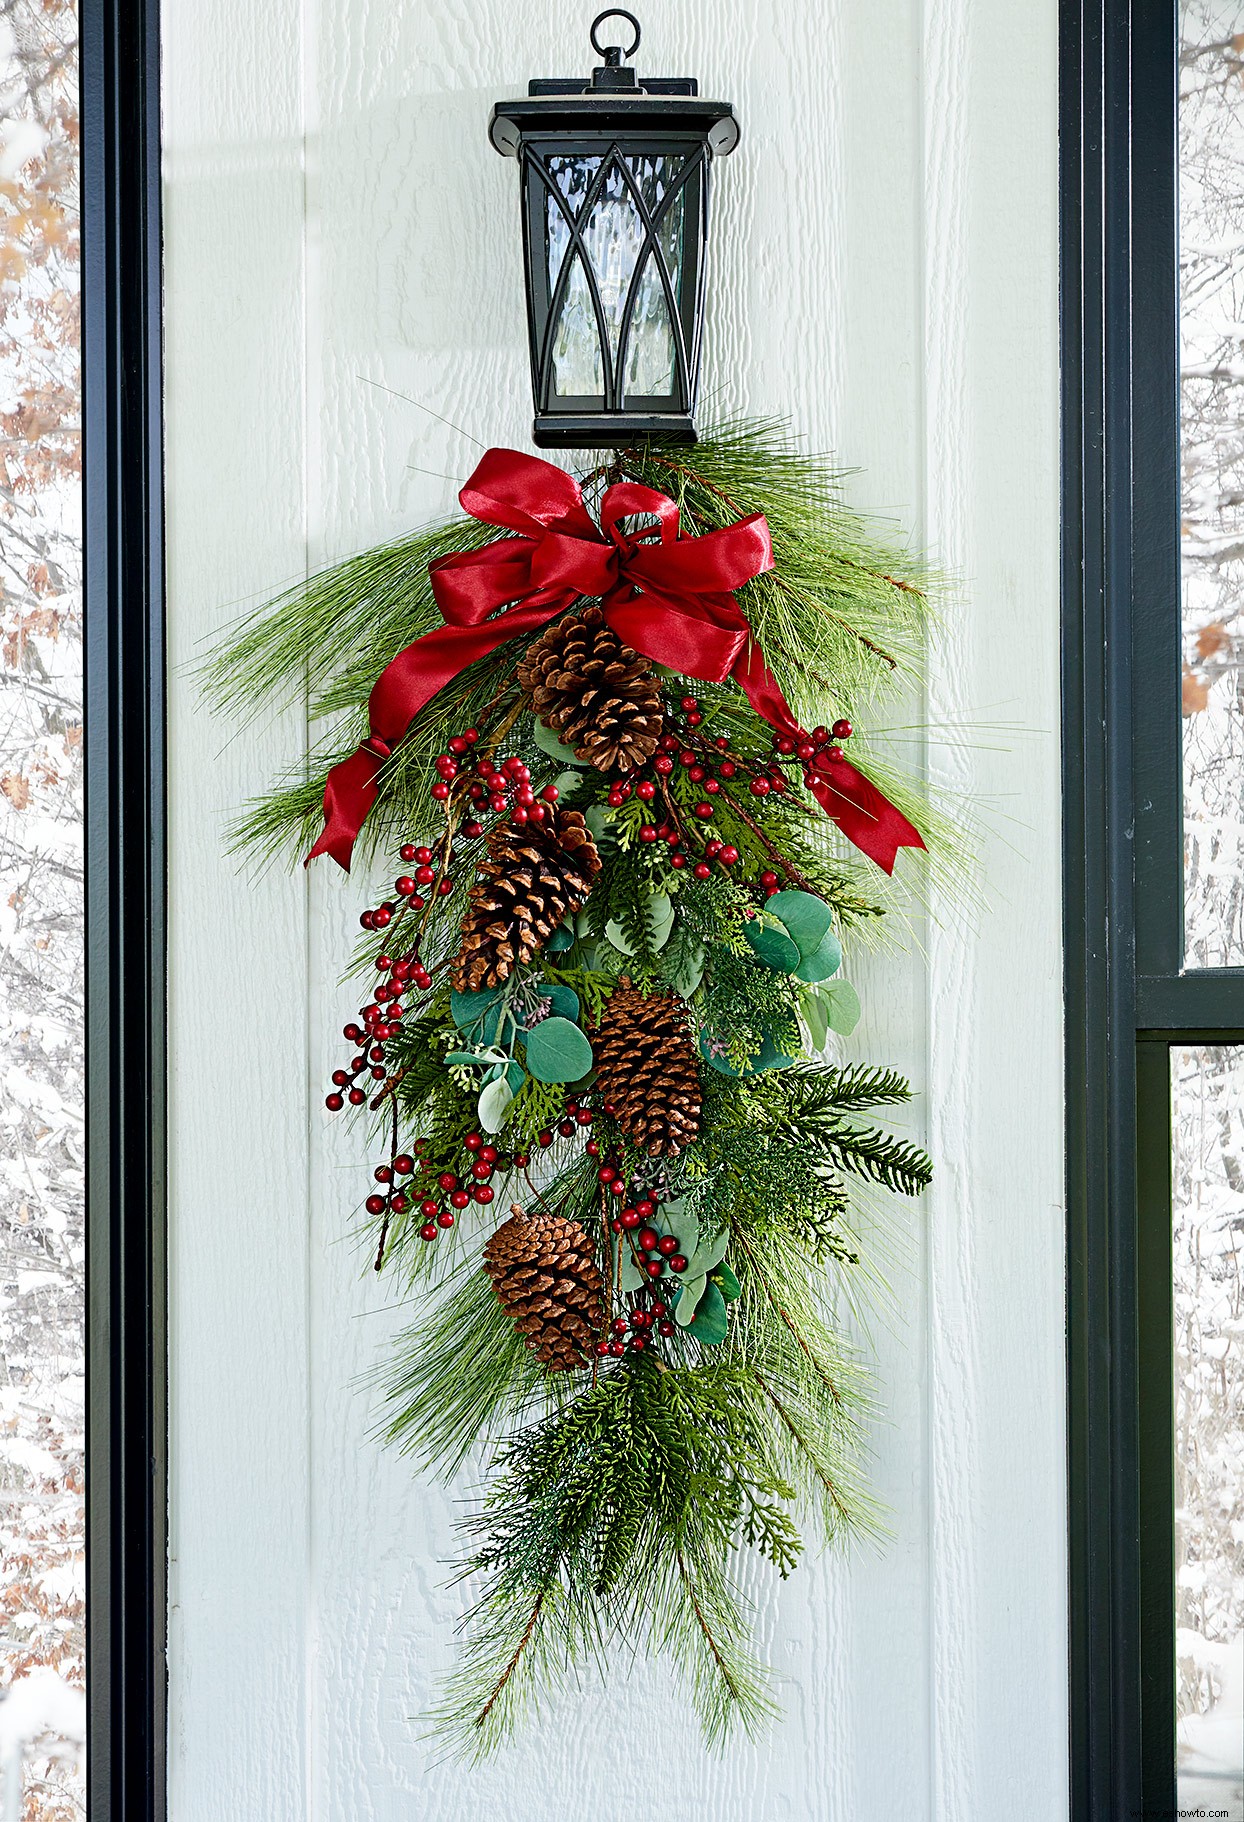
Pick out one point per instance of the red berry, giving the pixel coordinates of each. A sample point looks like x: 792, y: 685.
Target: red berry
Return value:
x: 617, y: 1348
x: 334, y: 1103
x: 404, y: 887
x: 470, y: 735
x: 665, y: 1328
x: 678, y: 1262
x: 618, y: 1325
x: 760, y: 787
x: 820, y: 735
x: 649, y: 1238
x: 664, y: 765
x: 357, y: 1097
x: 729, y: 854
x: 630, y: 1217
x: 565, y: 1128
x: 383, y: 1173
x: 339, y: 1078
x: 374, y: 1205
x: 522, y: 1159
x: 399, y: 1204
x: 678, y: 860
x: 667, y: 1245
x: 550, y: 793
x: 428, y: 1231
x: 618, y: 1186
x: 445, y: 888
x: 704, y: 811
x: 406, y: 851
x: 606, y: 1174
x: 646, y: 790
x: 365, y: 919
x: 592, y: 1149
x: 440, y: 790
x: 688, y: 703
x: 472, y: 829
x: 702, y: 870
x: 615, y: 1227
x: 488, y: 1153
x: 544, y: 1138
x: 484, y: 1192
x: 646, y: 1207
x: 638, y: 1344
x: 444, y: 1219
x: 697, y: 774
x: 459, y: 1198
x: 602, y: 1349
x: 653, y: 1268
x: 584, y: 1116
x: 727, y: 768
x: 768, y: 879
x: 481, y: 1171
x: 447, y: 1180
x: 647, y: 832
x: 658, y: 1309
x: 834, y: 753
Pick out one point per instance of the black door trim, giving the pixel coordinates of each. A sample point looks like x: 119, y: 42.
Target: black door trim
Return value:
x: 124, y: 694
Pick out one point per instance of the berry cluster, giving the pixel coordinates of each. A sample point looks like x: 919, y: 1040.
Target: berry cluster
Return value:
x: 633, y: 1333
x: 807, y: 746
x: 381, y: 1018
x: 503, y: 784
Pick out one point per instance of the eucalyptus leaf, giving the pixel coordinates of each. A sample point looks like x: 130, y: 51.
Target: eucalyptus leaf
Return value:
x: 631, y: 1275
x: 660, y: 915
x: 775, y: 948
x: 709, y: 1253
x: 471, y: 1059
x: 548, y: 742
x: 564, y: 1001
x: 599, y: 821
x: 690, y: 972
x: 710, y: 1323
x: 494, y: 1104
x: 816, y: 1021
x: 467, y: 1009
x: 807, y: 918
x: 821, y: 962
x: 689, y: 1293
x: 515, y: 1074
x: 841, y: 1004
x: 679, y: 1220
x: 568, y: 782
x: 726, y: 1282
x: 557, y: 1051
x: 561, y: 939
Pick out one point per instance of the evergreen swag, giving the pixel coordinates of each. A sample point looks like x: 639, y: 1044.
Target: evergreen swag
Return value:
x: 695, y: 930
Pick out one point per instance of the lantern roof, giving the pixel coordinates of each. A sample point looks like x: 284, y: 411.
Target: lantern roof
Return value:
x: 612, y: 100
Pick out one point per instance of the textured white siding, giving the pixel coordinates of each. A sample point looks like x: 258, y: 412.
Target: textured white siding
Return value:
x: 886, y: 275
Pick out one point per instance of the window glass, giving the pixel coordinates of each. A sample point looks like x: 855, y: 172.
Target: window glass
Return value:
x: 1208, y: 1237
x: 42, y: 1610
x: 1211, y: 264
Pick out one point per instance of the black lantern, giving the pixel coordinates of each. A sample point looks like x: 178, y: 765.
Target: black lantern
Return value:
x: 615, y: 180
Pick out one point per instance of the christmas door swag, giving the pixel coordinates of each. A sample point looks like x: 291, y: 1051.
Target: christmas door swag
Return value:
x: 602, y: 991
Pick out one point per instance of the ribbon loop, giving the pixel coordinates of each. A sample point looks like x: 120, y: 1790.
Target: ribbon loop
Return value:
x: 671, y: 598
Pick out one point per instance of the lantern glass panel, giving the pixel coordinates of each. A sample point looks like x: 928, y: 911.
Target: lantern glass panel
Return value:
x: 628, y: 213
x: 615, y: 272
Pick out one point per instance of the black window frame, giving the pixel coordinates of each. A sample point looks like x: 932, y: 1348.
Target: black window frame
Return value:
x: 124, y: 911
x: 1128, y: 999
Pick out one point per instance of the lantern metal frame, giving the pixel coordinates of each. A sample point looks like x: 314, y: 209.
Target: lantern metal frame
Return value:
x: 615, y: 119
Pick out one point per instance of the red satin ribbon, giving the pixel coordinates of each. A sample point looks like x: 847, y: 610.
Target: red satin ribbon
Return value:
x: 672, y: 600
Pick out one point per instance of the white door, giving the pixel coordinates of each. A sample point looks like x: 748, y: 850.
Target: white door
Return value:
x: 884, y: 275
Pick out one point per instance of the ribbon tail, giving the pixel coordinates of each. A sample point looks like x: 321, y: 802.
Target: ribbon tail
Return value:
x: 865, y: 815
x: 349, y: 793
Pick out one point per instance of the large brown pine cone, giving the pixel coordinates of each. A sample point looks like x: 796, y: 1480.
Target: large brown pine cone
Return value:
x: 647, y: 1069
x: 595, y: 693
x: 532, y: 878
x: 544, y: 1270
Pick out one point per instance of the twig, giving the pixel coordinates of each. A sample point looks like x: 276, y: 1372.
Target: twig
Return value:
x: 784, y: 1414
x: 720, y: 1662
x: 510, y: 1668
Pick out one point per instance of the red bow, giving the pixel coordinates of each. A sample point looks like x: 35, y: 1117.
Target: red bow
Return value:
x: 672, y: 600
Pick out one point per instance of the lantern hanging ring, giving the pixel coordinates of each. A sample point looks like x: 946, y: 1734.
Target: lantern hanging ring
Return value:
x: 614, y: 53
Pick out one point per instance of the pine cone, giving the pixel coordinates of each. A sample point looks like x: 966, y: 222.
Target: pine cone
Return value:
x: 646, y: 1067
x: 595, y: 693
x: 543, y: 1268
x: 532, y: 878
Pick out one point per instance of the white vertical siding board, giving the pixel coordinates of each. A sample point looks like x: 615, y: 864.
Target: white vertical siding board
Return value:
x: 237, y: 1255
x: 998, y: 1670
